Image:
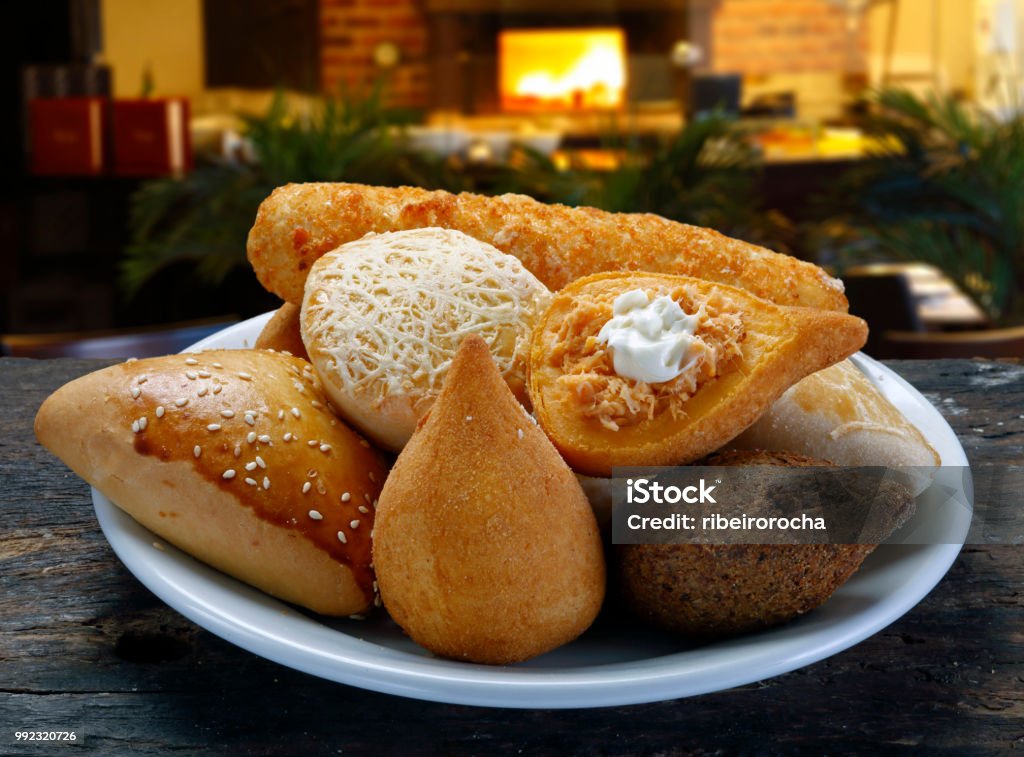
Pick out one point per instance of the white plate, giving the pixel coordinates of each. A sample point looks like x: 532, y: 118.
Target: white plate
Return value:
x: 610, y: 665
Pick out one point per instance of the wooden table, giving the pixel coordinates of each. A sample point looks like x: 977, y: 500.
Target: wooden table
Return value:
x: 84, y: 645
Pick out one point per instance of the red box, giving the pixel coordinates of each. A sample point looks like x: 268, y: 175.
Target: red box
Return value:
x: 67, y: 136
x: 151, y: 137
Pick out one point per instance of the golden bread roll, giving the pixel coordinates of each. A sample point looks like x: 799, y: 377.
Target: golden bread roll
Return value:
x: 485, y: 547
x: 232, y: 456
x: 839, y: 415
x: 283, y: 332
x: 716, y: 590
x: 384, y: 315
x: 298, y: 223
x: 744, y: 353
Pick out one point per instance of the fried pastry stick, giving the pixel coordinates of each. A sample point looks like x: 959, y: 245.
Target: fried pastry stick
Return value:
x: 298, y: 223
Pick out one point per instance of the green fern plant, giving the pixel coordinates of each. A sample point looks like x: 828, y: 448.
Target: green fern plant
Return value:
x: 947, y: 188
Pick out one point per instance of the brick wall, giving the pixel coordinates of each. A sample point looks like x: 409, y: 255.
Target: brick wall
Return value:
x: 351, y: 29
x: 752, y: 37
x: 758, y: 37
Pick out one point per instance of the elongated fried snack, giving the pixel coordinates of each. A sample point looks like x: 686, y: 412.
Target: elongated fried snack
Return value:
x: 300, y: 222
x: 599, y: 379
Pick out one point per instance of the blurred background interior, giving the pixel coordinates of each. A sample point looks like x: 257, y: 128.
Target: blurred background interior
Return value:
x: 882, y: 139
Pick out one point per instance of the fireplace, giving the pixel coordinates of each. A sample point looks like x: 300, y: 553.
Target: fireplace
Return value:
x: 561, y: 69
x: 480, y: 50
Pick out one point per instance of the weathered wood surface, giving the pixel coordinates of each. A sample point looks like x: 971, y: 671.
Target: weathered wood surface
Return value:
x: 83, y: 644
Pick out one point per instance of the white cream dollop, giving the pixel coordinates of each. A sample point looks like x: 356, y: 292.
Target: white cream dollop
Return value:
x: 650, y: 341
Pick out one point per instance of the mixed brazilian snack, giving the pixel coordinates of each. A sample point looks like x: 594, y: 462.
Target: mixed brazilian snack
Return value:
x: 511, y: 353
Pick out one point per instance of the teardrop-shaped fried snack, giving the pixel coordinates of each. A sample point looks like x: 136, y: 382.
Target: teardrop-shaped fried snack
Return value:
x: 735, y: 354
x: 485, y: 546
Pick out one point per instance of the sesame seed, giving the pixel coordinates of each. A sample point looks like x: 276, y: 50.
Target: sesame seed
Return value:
x: 250, y: 420
x: 373, y: 477
x: 197, y: 451
x: 250, y: 466
x: 320, y: 488
x: 286, y: 352
x: 237, y: 451
x: 364, y: 443
x: 469, y: 418
x: 159, y: 411
x: 203, y: 390
x: 377, y: 601
x: 143, y: 423
x: 136, y: 392
x: 280, y: 415
x: 346, y: 497
x: 374, y: 503
x: 325, y: 447
x: 312, y: 442
x: 259, y: 462
x: 342, y: 538
x: 354, y: 523
x: 265, y: 438
x: 266, y: 483
x: 250, y: 481
x: 180, y: 402
x: 217, y: 365
x: 251, y: 438
x: 288, y: 437
x: 311, y: 473
x: 228, y: 474
x: 192, y: 375
x: 213, y: 427
x: 217, y: 388
x: 366, y: 496
x: 315, y: 515
x: 519, y: 433
x: 227, y: 413
x: 245, y: 376
x: 203, y: 374
x: 132, y: 360
x: 317, y: 405
x: 363, y: 509
x: 142, y: 380
x: 191, y: 361
x: 296, y: 413
x: 306, y: 487
x: 135, y: 427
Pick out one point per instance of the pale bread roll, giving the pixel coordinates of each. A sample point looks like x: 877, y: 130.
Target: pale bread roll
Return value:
x: 837, y: 414
x: 282, y: 332
x: 383, y: 317
x: 213, y: 452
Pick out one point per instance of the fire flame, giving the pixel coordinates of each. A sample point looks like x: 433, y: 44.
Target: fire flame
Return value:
x: 562, y: 69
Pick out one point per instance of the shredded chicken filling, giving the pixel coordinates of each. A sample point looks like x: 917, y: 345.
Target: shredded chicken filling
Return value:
x: 615, y: 401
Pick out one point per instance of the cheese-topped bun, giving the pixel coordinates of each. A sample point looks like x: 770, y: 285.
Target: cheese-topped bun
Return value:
x: 234, y: 457
x: 383, y: 317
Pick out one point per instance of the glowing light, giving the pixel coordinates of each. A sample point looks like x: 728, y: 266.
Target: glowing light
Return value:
x: 562, y: 68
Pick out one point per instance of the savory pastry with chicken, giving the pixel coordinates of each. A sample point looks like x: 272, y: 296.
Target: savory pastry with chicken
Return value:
x: 485, y: 547
x: 649, y: 369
